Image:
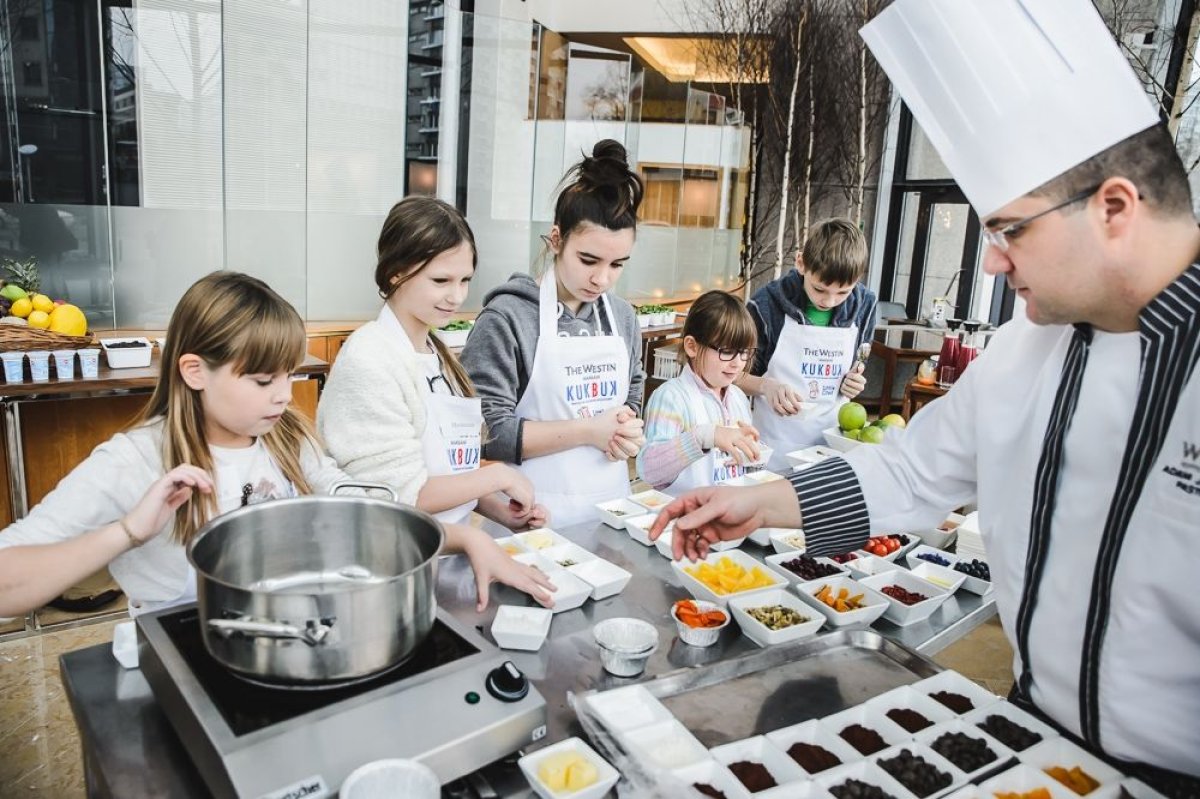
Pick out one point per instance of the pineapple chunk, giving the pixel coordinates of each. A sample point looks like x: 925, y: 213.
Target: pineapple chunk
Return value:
x: 567, y: 772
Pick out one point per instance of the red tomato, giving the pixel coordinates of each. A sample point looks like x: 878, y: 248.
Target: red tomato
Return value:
x: 892, y: 544
x: 878, y: 549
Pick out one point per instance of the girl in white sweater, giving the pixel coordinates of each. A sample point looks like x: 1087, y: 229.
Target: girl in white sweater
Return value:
x: 216, y: 434
x: 398, y: 407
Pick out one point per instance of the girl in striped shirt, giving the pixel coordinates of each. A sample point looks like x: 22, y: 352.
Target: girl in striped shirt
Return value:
x: 698, y: 424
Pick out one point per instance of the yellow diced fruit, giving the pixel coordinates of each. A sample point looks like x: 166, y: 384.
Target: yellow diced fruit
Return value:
x: 567, y: 771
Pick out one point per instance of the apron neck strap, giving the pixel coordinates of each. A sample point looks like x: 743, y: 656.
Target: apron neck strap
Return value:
x: 548, y: 307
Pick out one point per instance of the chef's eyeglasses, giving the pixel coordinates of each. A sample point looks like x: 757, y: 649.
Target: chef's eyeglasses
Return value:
x: 1001, y: 238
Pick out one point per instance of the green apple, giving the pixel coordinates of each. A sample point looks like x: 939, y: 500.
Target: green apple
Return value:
x: 894, y: 420
x: 852, y: 416
x: 852, y: 434
x: 12, y: 292
x: 872, y: 435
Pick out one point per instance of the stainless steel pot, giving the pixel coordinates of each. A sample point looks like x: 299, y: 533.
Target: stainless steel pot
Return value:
x: 316, y: 589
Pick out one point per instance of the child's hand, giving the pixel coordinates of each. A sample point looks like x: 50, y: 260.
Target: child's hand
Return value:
x: 492, y: 564
x: 539, y: 516
x: 783, y: 398
x: 165, y: 497
x: 854, y: 382
x: 740, y: 443
x: 516, y: 485
x: 622, y: 433
x: 515, y: 516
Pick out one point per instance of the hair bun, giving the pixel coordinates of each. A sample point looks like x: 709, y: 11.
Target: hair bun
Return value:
x: 615, y: 191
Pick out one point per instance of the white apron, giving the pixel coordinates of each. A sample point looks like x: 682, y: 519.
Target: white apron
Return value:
x: 813, y: 360
x: 574, y: 377
x: 705, y: 408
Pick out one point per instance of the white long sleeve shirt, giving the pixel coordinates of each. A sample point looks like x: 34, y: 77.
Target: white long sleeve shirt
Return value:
x: 984, y: 441
x: 115, y: 477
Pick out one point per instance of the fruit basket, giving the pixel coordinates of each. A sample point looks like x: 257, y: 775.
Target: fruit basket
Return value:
x: 14, y: 338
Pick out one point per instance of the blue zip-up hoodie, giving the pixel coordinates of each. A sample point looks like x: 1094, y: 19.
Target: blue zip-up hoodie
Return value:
x: 772, y: 304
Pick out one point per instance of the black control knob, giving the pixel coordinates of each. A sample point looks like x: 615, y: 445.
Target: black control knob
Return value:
x: 507, y: 683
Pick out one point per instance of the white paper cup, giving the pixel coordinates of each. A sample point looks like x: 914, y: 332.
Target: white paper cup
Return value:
x: 39, y: 365
x: 386, y: 779
x: 89, y: 363
x: 64, y: 364
x: 14, y: 366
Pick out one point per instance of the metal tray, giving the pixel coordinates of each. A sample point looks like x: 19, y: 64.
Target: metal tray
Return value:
x: 778, y: 686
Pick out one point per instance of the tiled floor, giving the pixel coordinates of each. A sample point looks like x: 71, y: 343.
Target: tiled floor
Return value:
x: 39, y: 746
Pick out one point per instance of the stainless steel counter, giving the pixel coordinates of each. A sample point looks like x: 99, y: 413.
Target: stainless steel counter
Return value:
x: 130, y: 749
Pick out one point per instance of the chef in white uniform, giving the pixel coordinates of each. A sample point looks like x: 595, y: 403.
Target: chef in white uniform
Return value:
x: 1078, y: 429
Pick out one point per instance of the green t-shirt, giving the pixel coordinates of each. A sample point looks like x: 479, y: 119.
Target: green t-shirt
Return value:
x: 815, y: 315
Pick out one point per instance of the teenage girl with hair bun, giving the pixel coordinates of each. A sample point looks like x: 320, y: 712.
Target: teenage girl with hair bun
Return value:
x: 556, y: 360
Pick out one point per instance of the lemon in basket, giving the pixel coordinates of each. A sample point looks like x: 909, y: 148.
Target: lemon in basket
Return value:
x: 22, y: 307
x: 68, y: 320
x: 42, y: 303
x: 39, y: 320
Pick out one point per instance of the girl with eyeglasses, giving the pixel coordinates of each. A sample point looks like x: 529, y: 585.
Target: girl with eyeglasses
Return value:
x: 698, y: 428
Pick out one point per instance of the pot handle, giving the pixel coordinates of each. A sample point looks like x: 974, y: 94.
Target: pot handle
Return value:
x: 338, y: 486
x: 312, y: 633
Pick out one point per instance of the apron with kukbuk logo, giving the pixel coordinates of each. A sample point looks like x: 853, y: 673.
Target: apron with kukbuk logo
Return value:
x: 453, y: 435
x: 574, y: 377
x: 705, y: 408
x: 813, y: 360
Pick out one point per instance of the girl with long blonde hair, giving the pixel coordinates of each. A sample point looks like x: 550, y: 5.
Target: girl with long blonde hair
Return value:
x: 216, y: 434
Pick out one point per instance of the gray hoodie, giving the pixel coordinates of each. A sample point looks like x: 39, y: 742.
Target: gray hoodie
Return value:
x: 499, y: 356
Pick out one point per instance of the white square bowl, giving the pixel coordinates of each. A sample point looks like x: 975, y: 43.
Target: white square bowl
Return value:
x: 638, y: 528
x: 777, y: 560
x: 665, y: 544
x: 867, y: 565
x: 569, y: 591
x: 900, y: 613
x: 835, y: 440
x: 760, y: 476
x: 872, y: 718
x: 616, y: 511
x: 701, y: 591
x: 760, y: 750
x: 876, y: 603
x: 810, y: 456
x: 511, y: 545
x: 909, y: 698
x: 957, y: 778
x: 762, y: 635
x: 566, y: 555
x: 537, y: 540
x: 454, y: 339
x: 523, y: 628
x: 714, y: 775
x: 761, y: 536
x: 954, y: 682
x: 786, y: 539
x: 864, y: 771
x: 653, y: 501
x: 1023, y: 779
x: 127, y: 357
x: 606, y: 578
x: 817, y: 734
x: 1140, y: 790
x: 930, y: 736
x: 1014, y: 714
x: 607, y: 775
x: 666, y: 745
x: 939, y: 576
x: 945, y: 533
x: 628, y: 708
x: 1061, y: 752
x: 740, y: 481
x: 795, y: 790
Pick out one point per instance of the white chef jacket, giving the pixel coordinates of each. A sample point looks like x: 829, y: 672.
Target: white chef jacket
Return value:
x: 983, y: 442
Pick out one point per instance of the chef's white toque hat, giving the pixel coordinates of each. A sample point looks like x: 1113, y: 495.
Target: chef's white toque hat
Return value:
x: 1011, y: 93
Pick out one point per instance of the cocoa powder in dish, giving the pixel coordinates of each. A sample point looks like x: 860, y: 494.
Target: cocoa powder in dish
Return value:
x: 864, y: 739
x: 707, y: 790
x: 813, y: 758
x: 956, y: 702
x: 753, y: 775
x: 910, y: 720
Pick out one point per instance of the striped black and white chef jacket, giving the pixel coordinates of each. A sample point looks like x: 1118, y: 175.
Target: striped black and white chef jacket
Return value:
x: 1082, y: 449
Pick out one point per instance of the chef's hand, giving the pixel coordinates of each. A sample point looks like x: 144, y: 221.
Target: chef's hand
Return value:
x: 740, y: 443
x: 854, y: 382
x: 492, y: 564
x: 164, y: 497
x: 783, y: 398
x: 719, y: 513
